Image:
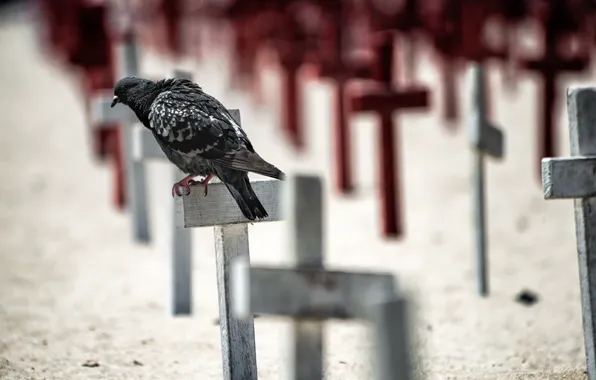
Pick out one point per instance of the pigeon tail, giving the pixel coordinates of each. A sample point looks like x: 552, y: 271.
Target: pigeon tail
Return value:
x: 241, y: 190
x: 246, y: 160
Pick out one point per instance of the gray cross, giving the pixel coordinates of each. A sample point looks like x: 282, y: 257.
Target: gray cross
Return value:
x: 127, y: 54
x: 575, y: 177
x: 146, y: 148
x: 485, y: 139
x: 309, y: 294
x: 219, y: 210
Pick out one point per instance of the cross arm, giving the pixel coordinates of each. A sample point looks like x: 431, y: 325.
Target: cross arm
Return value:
x: 569, y: 177
x: 219, y: 208
x: 487, y: 138
x: 388, y: 100
x: 550, y: 65
x: 483, y: 135
x: 144, y: 145
x: 307, y: 293
x: 102, y: 113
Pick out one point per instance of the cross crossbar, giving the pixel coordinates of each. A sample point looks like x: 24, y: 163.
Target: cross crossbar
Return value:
x: 387, y: 101
x: 569, y: 177
x: 308, y: 293
x: 144, y: 145
x: 102, y: 112
x: 219, y: 208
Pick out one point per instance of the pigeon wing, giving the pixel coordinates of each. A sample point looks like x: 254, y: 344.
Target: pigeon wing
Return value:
x: 241, y: 156
x: 186, y: 124
x: 193, y: 123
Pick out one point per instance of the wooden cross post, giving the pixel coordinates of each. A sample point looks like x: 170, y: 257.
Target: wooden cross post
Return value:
x: 343, y: 154
x: 146, y: 148
x: 127, y: 55
x: 292, y: 49
x: 385, y: 100
x: 574, y: 177
x: 110, y: 139
x: 219, y: 210
x: 310, y: 294
x: 484, y: 139
x: 292, y: 101
x: 337, y: 68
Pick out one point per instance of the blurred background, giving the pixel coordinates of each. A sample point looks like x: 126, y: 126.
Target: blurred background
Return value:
x: 383, y: 99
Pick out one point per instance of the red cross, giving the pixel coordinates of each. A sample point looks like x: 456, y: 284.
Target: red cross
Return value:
x: 384, y: 99
x: 334, y: 66
x: 292, y: 48
x: 549, y: 67
x: 92, y: 51
x: 457, y: 29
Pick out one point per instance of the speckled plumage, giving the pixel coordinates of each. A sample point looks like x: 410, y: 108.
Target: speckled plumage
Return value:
x: 197, y: 134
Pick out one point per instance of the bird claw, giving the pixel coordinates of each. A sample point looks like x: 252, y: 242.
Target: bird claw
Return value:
x: 205, y: 182
x: 187, y: 183
x: 177, y: 187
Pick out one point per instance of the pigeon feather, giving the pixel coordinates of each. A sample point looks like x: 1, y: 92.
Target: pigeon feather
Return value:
x: 196, y: 124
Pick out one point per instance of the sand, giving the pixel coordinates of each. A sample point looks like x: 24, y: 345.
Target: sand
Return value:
x: 75, y: 288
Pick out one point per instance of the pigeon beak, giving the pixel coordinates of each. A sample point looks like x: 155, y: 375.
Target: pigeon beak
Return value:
x: 114, y: 102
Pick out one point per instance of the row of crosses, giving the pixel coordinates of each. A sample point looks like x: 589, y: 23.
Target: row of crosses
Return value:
x: 373, y: 43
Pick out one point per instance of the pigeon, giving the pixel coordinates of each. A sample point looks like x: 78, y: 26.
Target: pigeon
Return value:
x: 198, y: 135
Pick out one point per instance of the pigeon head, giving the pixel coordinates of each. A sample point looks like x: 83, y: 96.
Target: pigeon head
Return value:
x: 134, y: 92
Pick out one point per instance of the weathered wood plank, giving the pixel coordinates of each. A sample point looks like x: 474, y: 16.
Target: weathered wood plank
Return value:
x: 304, y: 207
x: 181, y: 243
x: 127, y: 53
x: 219, y: 208
x: 310, y: 293
x: 237, y: 334
x: 304, y: 201
x: 487, y: 138
x: 181, y: 256
x: 390, y: 321
x: 569, y: 177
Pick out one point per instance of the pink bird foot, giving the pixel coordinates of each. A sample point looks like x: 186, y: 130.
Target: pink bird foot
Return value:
x: 186, y: 182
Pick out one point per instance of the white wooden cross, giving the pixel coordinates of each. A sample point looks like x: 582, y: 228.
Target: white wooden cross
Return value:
x: 484, y: 138
x: 310, y: 294
x: 575, y: 178
x: 101, y: 112
x: 219, y: 210
x: 146, y: 148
